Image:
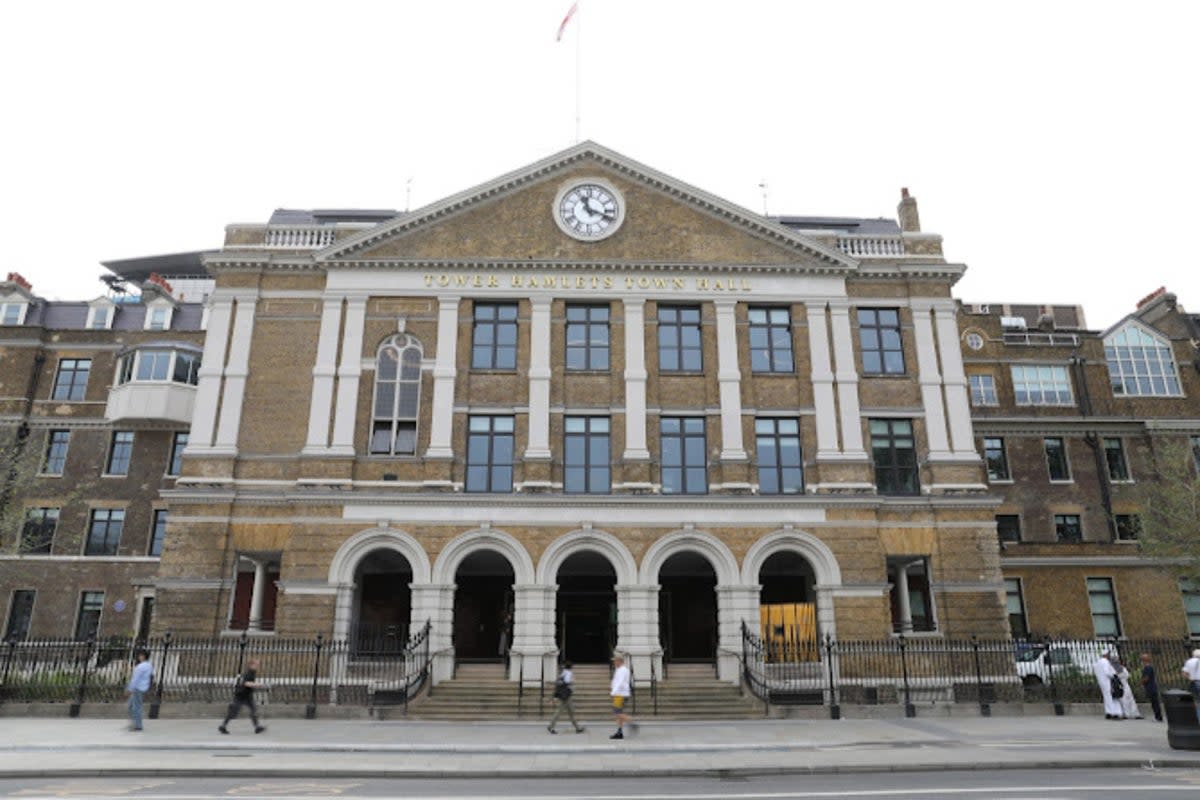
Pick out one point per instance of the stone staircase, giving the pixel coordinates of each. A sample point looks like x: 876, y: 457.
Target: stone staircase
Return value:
x: 481, y: 692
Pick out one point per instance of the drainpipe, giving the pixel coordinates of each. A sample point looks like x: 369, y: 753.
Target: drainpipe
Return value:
x: 1093, y: 440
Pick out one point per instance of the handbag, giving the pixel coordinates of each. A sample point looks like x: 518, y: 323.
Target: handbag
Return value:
x: 562, y: 690
x: 1115, y: 687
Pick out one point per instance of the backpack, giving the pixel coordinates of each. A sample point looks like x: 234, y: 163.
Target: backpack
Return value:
x: 562, y: 690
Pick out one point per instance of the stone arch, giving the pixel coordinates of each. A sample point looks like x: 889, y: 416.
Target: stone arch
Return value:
x: 581, y: 540
x: 353, y: 550
x: 816, y: 552
x: 445, y: 567
x: 712, y: 548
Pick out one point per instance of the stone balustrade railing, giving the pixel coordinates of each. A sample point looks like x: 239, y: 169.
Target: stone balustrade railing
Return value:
x: 861, y: 246
x: 298, y: 237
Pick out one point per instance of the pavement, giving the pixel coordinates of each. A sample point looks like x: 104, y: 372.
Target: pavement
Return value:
x: 42, y: 747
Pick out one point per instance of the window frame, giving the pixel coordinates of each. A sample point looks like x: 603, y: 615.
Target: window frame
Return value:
x: 1126, y: 527
x: 403, y: 388
x: 105, y: 545
x: 589, y: 349
x: 893, y: 468
x: 490, y: 466
x: 690, y: 429
x: 1062, y: 527
x: 120, y: 454
x: 778, y: 469
x: 1024, y: 384
x: 1050, y: 462
x: 1190, y: 595
x: 683, y: 330
x: 775, y: 320
x: 1014, y: 587
x: 496, y: 324
x: 1116, y: 609
x: 75, y: 387
x: 1000, y: 533
x: 98, y: 609
x: 982, y: 386
x: 159, y: 517
x: 175, y: 455
x: 49, y: 456
x: 1123, y: 474
x: 590, y: 440
x: 1004, y: 475
x: 1117, y: 356
x: 929, y: 624
x: 42, y: 521
x: 870, y: 323
x: 9, y: 634
x: 12, y: 313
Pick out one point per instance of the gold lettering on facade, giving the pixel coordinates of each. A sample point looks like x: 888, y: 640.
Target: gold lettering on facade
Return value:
x: 586, y: 282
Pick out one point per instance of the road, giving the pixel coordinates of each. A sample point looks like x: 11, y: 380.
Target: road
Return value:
x: 1004, y: 784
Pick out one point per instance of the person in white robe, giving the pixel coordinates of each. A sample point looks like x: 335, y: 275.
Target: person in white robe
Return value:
x: 1104, y: 674
x: 1129, y: 708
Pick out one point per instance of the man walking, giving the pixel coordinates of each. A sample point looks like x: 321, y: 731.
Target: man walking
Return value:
x: 139, y: 684
x: 564, y: 687
x: 243, y: 695
x: 620, y: 691
x: 1191, y: 668
x: 1150, y: 684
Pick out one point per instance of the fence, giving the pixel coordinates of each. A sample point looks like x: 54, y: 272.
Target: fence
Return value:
x: 910, y: 671
x: 308, y: 672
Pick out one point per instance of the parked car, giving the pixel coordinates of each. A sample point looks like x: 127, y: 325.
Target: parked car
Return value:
x: 1069, y: 661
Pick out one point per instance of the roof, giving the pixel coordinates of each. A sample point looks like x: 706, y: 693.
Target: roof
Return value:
x: 170, y: 265
x: 329, y: 216
x: 55, y: 315
x: 878, y: 226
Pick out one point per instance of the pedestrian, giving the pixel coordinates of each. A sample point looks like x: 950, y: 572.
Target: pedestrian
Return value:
x: 1129, y: 709
x: 1150, y: 685
x: 1191, y: 668
x: 564, y: 687
x: 1103, y: 668
x: 243, y: 695
x: 620, y: 690
x: 139, y: 684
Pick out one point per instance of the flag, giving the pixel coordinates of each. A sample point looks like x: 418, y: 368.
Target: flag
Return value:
x: 563, y: 27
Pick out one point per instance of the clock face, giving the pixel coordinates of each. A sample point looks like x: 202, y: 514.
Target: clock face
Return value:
x: 588, y: 210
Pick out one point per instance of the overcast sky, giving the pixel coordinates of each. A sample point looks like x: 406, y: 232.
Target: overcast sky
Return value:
x: 1053, y: 144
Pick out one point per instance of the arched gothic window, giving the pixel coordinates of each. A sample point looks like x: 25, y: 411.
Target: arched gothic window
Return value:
x: 1140, y: 363
x: 397, y: 397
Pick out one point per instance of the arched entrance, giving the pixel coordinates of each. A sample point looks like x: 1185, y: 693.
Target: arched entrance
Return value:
x: 586, y: 608
x: 687, y: 608
x: 483, y: 607
x: 382, y: 602
x: 788, y: 608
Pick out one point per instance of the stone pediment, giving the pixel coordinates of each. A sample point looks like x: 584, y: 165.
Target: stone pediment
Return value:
x: 512, y: 220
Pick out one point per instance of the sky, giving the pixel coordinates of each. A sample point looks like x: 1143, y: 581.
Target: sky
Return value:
x: 1052, y: 144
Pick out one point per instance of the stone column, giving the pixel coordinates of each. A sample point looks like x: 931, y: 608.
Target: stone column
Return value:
x: 931, y: 383
x: 539, y: 380
x: 435, y: 602
x: 729, y: 377
x: 902, y: 596
x: 954, y: 378
x: 212, y: 368
x: 822, y: 380
x: 324, y: 371
x: 533, y: 651
x: 444, y: 369
x: 238, y: 369
x: 349, y: 371
x: 846, y: 375
x: 256, y: 595
x: 735, y: 604
x: 635, y: 380
x: 637, y: 629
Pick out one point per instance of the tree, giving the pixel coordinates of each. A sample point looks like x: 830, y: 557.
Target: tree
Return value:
x: 1170, y: 503
x: 24, y: 530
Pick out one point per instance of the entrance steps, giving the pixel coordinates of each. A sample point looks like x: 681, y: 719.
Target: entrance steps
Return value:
x: 482, y: 692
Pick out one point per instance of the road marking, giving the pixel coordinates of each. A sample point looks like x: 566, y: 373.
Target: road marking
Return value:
x: 290, y: 789
x: 94, y: 788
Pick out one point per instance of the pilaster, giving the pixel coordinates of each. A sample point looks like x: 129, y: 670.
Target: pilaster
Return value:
x: 635, y: 380
x: 539, y: 380
x: 348, y: 374
x: 444, y: 370
x: 729, y: 378
x: 846, y: 376
x: 324, y: 371
x: 212, y: 369
x: 954, y: 378
x: 822, y: 381
x: 236, y: 372
x: 930, y: 382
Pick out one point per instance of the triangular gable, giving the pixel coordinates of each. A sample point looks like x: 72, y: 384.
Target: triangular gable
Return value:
x: 783, y: 239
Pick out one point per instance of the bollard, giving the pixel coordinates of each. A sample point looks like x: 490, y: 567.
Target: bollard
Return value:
x: 835, y: 710
x: 909, y: 709
x: 310, y: 712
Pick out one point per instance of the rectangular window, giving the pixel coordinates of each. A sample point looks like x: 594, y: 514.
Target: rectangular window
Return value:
x: 104, y: 532
x: 780, y: 465
x: 771, y: 340
x: 157, y: 321
x: 1114, y: 455
x: 158, y: 532
x: 251, y: 568
x: 178, y: 443
x: 153, y: 365
x: 120, y: 451
x: 586, y: 455
x: 684, y: 456
x: 983, y: 390
x: 87, y: 623
x: 490, y: 454
x: 494, y: 340
x: 1008, y: 527
x: 587, y: 337
x: 1191, y: 606
x: 99, y: 318
x: 56, y: 452
x: 894, y: 451
x: 879, y: 340
x: 186, y: 369
x: 1103, y: 602
x: 11, y: 314
x: 37, y: 534
x: 20, y: 614
x: 1015, y: 603
x: 1056, y: 458
x: 996, y: 458
x: 1067, y: 528
x: 1042, y: 386
x: 1126, y: 527
x: 71, y: 381
x: 912, y: 610
x: 679, y: 342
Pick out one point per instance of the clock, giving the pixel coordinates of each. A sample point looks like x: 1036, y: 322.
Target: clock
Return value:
x: 589, y: 209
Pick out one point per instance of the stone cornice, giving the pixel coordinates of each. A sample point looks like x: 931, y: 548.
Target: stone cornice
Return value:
x: 1059, y: 425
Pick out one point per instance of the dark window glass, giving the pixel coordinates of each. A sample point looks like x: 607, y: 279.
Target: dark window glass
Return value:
x: 1103, y: 603
x: 72, y: 378
x: 20, y: 614
x: 397, y: 397
x: 158, y: 532
x: 1127, y: 527
x: 178, y: 444
x: 494, y: 340
x: 587, y: 337
x: 586, y: 455
x: 56, y: 452
x: 894, y: 451
x: 187, y: 368
x: 1056, y: 458
x: 104, y: 532
x: 87, y: 623
x: 1016, y: 608
x: 119, y: 453
x: 879, y: 340
x: 684, y: 456
x: 679, y: 340
x: 915, y: 615
x: 490, y: 454
x: 771, y: 340
x: 996, y: 458
x: 1008, y: 527
x: 780, y: 464
x: 1067, y: 528
x: 1114, y: 456
x: 37, y: 535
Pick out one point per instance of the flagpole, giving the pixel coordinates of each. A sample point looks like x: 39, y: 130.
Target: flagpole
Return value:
x: 578, y: 67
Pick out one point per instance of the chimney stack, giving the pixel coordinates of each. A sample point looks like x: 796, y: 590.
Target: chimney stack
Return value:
x: 910, y: 221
